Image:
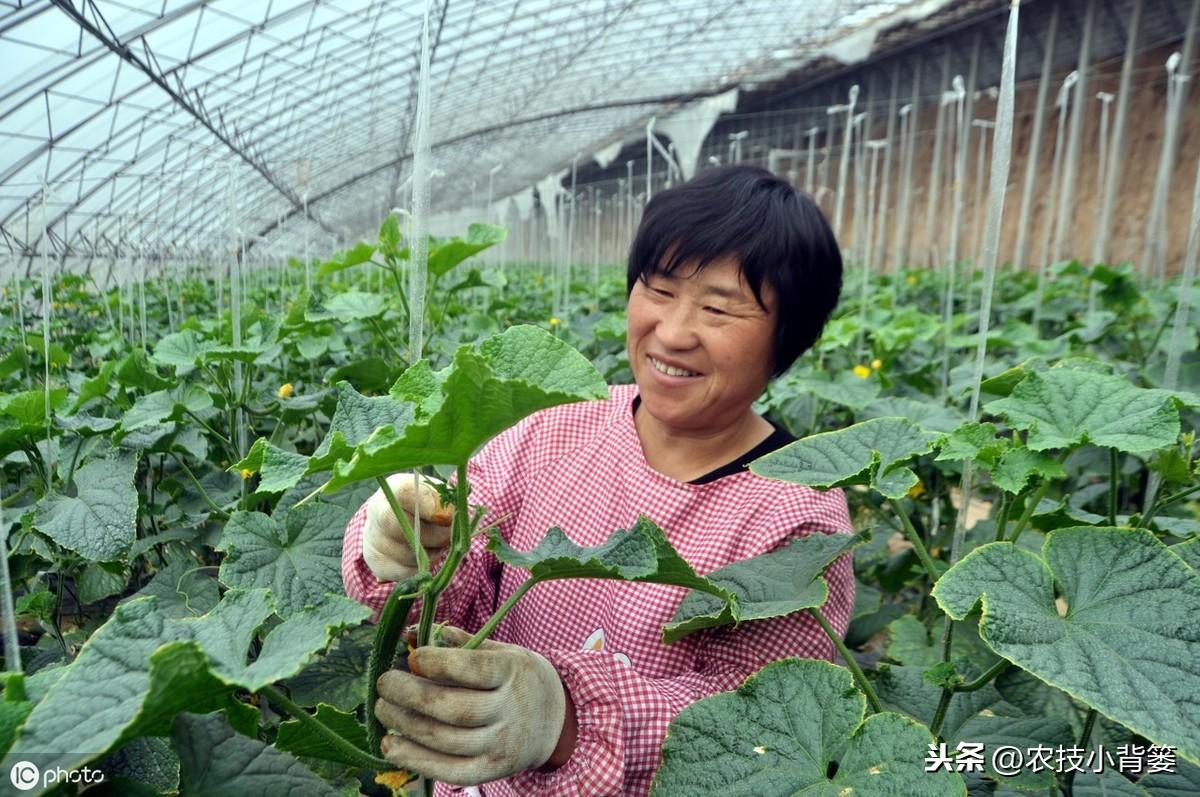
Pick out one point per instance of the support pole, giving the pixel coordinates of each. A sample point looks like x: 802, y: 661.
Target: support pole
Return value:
x: 1066, y: 205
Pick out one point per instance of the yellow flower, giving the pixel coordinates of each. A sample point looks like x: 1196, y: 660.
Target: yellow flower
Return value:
x: 911, y: 280
x: 876, y: 364
x: 917, y: 490
x: 553, y: 321
x: 862, y: 371
x: 286, y: 390
x: 393, y: 780
x: 246, y: 473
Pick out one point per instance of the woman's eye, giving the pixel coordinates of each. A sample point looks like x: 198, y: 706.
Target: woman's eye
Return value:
x: 661, y: 292
x: 715, y: 310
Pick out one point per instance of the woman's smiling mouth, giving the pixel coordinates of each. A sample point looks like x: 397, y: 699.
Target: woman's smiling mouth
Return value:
x: 670, y: 370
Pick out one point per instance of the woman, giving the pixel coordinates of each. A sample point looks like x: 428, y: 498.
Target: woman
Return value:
x: 731, y: 277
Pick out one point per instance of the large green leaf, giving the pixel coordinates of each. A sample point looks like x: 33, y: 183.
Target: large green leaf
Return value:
x: 166, y: 405
x: 180, y: 350
x: 348, y: 306
x: 299, y: 559
x: 771, y: 585
x: 1183, y: 782
x: 142, y: 667
x: 299, y: 739
x: 445, y: 255
x: 512, y: 375
x: 354, y: 420
x: 870, y: 452
x: 99, y: 522
x: 640, y: 553
x: 338, y: 678
x: 183, y: 589
x: 216, y: 761
x: 360, y: 253
x: 782, y: 731
x: 1129, y: 643
x: 1065, y: 407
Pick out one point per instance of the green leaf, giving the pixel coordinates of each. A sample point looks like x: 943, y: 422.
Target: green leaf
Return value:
x: 99, y: 581
x: 39, y: 604
x: 1105, y: 784
x: 445, y: 255
x: 100, y: 522
x: 182, y: 589
x: 845, y: 389
x: 166, y: 405
x: 779, y: 734
x: 135, y: 371
x: 180, y: 350
x: 860, y: 454
x: 12, y: 716
x: 1190, y: 552
x: 1018, y: 465
x: 299, y: 559
x: 28, y: 407
x: 1065, y: 407
x: 641, y: 553
x: 1020, y: 732
x: 349, y: 306
x: 215, y: 761
x: 142, y: 667
x: 389, y: 234
x: 299, y: 739
x: 362, y: 252
x: 1183, y: 782
x: 1129, y: 644
x: 148, y: 760
x: 257, y: 353
x: 354, y: 420
x: 770, y: 585
x: 974, y: 441
x: 339, y: 677
x: 514, y: 374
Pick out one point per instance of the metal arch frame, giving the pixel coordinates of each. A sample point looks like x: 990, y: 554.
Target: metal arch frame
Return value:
x: 171, y: 141
x: 118, y: 173
x: 151, y: 69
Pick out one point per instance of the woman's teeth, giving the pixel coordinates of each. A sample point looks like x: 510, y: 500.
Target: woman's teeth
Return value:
x: 670, y: 370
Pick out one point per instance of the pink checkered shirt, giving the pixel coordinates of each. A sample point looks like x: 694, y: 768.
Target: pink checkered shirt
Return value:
x: 580, y: 467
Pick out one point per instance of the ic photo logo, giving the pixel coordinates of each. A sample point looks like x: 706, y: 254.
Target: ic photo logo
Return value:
x: 25, y: 775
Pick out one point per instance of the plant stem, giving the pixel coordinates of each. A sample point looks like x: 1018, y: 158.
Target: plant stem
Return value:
x: 917, y: 543
x: 422, y: 558
x: 1113, y: 484
x: 1030, y: 506
x: 499, y: 614
x: 1088, y: 723
x: 387, y: 341
x: 203, y: 493
x: 939, y: 714
x: 383, y: 653
x: 1002, y: 519
x: 360, y: 757
x: 228, y: 443
x: 986, y: 678
x: 859, y: 676
x: 1179, y: 496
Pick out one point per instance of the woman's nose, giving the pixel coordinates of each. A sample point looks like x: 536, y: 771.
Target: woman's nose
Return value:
x: 676, y: 327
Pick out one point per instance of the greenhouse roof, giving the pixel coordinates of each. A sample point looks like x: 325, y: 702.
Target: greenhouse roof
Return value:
x: 158, y: 123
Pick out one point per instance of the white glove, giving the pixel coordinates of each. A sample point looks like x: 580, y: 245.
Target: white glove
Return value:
x: 471, y: 716
x: 385, y: 545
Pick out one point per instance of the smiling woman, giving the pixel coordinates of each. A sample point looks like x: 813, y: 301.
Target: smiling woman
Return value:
x: 731, y: 277
x: 715, y: 264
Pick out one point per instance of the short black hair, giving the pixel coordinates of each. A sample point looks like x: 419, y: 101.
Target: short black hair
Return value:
x: 776, y: 232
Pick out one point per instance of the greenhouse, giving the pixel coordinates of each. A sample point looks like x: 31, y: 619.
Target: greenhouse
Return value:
x: 610, y: 397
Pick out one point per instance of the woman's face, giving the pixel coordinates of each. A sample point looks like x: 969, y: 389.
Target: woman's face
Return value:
x: 700, y: 345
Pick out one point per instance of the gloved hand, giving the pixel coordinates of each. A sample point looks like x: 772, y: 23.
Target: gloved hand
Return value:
x: 385, y: 546
x: 467, y: 717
